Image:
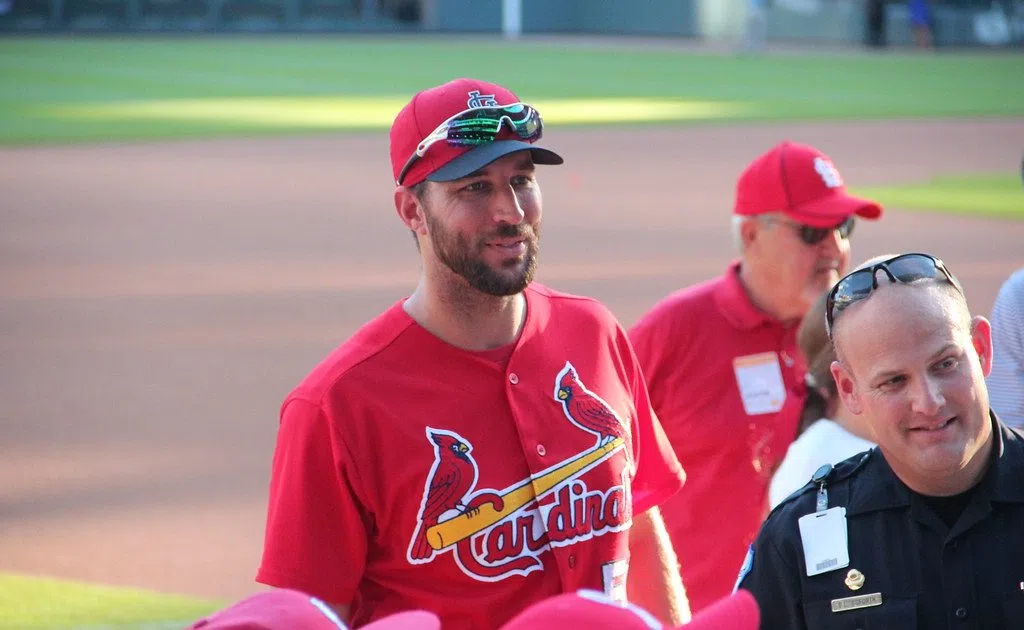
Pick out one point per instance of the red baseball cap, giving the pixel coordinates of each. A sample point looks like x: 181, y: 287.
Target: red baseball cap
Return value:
x: 596, y: 611
x: 443, y: 162
x: 801, y: 182
x: 283, y: 609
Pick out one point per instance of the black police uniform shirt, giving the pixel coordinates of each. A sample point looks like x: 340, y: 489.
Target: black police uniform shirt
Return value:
x: 926, y: 574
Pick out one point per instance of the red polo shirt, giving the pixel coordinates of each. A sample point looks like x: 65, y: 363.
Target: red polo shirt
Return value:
x: 695, y: 348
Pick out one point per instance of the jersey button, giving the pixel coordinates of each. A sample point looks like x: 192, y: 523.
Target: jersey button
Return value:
x: 513, y: 378
x: 961, y: 613
x: 541, y: 450
x: 572, y: 561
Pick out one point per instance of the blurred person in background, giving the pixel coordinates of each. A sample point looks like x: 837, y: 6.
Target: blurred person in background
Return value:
x: 1006, y: 382
x: 874, y: 23
x: 922, y: 23
x: 724, y: 373
x: 828, y: 432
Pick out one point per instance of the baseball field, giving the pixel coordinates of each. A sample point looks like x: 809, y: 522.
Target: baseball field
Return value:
x: 188, y: 224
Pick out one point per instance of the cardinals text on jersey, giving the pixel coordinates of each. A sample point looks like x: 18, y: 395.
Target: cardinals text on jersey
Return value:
x: 493, y: 534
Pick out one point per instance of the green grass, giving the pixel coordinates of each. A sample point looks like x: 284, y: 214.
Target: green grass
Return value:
x: 32, y: 603
x: 90, y: 88
x: 1000, y: 196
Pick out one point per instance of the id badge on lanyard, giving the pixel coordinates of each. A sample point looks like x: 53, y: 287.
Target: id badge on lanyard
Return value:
x: 823, y: 534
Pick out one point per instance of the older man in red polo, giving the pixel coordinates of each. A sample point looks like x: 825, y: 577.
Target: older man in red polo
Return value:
x: 721, y: 361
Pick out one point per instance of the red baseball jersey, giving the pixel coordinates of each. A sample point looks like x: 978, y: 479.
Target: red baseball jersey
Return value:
x: 727, y: 383
x: 410, y: 474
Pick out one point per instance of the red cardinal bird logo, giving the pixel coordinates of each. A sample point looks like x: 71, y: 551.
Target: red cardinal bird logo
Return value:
x: 451, y: 478
x: 586, y: 409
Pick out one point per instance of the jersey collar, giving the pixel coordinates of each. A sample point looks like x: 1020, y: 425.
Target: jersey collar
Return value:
x: 734, y: 304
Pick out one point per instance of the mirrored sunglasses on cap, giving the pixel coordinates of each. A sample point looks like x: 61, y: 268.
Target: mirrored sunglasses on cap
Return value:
x: 858, y: 285
x: 478, y: 126
x: 813, y: 235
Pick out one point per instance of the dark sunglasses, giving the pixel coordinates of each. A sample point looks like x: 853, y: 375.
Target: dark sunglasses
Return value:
x: 814, y: 235
x: 480, y: 125
x: 859, y: 284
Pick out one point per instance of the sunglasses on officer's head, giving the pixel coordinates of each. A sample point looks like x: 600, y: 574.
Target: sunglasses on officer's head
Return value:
x: 859, y: 284
x: 814, y: 235
x: 480, y: 125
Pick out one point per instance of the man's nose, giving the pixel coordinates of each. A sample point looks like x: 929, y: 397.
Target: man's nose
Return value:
x: 928, y: 398
x: 833, y: 242
x: 507, y: 208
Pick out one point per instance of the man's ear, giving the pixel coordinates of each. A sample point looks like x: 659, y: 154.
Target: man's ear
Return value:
x: 750, y: 227
x: 410, y: 209
x: 981, y: 337
x: 845, y: 386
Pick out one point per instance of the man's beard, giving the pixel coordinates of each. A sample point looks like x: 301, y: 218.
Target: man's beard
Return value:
x: 456, y: 252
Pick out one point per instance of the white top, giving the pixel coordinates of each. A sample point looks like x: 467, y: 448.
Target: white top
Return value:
x: 824, y: 442
x: 1006, y: 382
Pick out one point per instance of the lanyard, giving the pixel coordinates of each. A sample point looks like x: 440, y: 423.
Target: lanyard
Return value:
x: 820, y: 477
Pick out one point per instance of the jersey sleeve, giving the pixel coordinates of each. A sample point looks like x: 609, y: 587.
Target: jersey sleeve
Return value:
x: 773, y: 580
x: 659, y: 474
x: 316, y: 539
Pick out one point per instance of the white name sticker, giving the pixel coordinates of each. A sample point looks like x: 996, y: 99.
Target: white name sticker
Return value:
x: 759, y: 378
x: 613, y: 574
x: 823, y: 535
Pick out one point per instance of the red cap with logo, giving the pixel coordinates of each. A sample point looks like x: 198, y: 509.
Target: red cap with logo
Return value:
x: 596, y: 611
x: 801, y: 182
x: 442, y: 162
x: 284, y: 609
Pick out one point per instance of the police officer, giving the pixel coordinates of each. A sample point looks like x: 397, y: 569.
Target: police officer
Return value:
x: 927, y: 529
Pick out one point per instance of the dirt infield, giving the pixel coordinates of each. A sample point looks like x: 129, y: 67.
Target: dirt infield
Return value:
x: 157, y: 301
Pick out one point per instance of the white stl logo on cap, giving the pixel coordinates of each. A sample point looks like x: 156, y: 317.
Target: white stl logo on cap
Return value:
x: 481, y: 100
x: 828, y: 172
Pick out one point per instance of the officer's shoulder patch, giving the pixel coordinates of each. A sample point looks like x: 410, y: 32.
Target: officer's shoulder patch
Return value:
x: 748, y: 564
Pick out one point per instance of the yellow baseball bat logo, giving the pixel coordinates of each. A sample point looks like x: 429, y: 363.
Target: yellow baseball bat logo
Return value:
x: 447, y: 533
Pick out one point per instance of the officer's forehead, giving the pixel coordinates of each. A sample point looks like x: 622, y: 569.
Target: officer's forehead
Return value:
x: 894, y: 304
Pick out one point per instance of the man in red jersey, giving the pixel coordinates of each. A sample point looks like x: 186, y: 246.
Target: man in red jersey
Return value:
x: 725, y: 376
x: 487, y: 442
